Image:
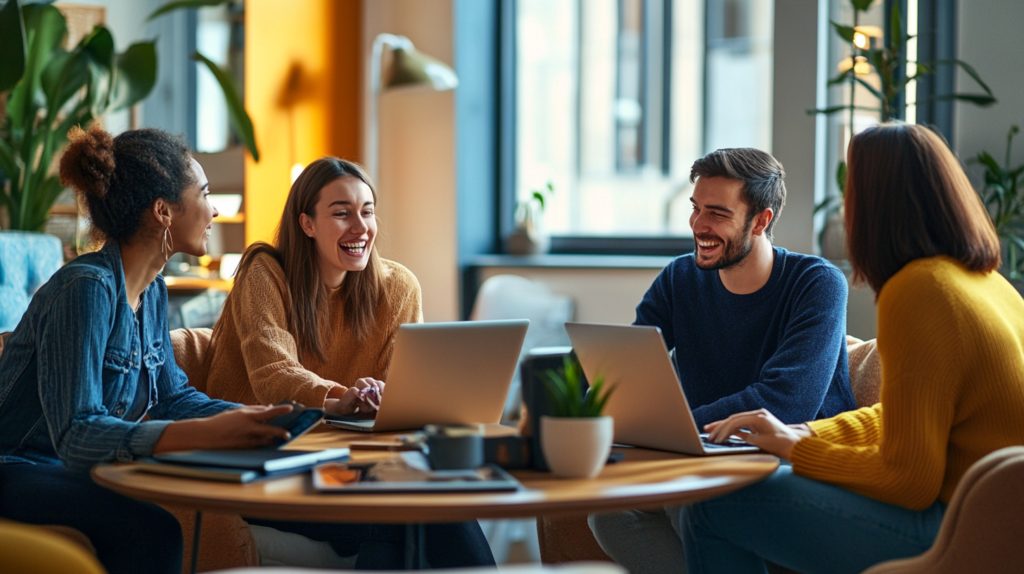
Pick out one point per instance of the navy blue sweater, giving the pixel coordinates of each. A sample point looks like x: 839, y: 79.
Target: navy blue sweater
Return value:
x: 782, y: 347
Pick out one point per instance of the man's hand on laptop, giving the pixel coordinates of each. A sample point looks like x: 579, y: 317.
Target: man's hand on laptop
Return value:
x: 363, y: 397
x: 761, y: 429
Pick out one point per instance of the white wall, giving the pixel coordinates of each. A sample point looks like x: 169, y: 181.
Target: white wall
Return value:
x: 416, y: 182
x: 991, y: 41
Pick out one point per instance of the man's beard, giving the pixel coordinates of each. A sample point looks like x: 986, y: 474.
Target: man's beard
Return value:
x: 734, y: 250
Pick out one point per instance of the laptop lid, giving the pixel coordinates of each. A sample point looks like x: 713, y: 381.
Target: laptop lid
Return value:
x: 449, y: 373
x: 649, y: 406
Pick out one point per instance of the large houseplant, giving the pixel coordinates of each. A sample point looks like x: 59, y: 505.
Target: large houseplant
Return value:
x: 1001, y: 195
x: 887, y: 65
x: 576, y: 438
x: 46, y: 89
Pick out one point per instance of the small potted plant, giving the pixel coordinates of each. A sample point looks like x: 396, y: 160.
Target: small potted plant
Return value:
x: 529, y: 236
x: 576, y: 439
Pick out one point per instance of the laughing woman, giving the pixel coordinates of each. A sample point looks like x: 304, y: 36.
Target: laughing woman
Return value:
x: 872, y: 485
x: 313, y: 319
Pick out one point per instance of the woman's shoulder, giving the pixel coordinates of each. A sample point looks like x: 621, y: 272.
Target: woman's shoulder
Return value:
x: 259, y: 268
x: 397, y: 278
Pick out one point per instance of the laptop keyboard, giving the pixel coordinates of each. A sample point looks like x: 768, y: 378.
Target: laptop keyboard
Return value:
x: 731, y: 443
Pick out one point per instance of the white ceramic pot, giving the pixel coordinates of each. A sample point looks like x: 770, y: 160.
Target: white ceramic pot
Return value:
x: 576, y: 447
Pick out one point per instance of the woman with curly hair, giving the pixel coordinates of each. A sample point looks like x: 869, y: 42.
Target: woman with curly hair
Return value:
x: 92, y: 357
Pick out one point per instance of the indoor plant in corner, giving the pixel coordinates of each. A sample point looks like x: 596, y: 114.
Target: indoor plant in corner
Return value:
x: 1001, y: 195
x: 46, y: 89
x: 577, y: 439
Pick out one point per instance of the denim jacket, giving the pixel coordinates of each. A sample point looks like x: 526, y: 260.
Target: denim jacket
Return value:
x: 70, y: 370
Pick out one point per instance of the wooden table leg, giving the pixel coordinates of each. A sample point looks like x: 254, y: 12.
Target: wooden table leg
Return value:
x: 195, y: 540
x: 415, y: 557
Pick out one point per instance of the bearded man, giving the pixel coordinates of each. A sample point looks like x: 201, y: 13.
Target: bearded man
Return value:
x: 753, y: 326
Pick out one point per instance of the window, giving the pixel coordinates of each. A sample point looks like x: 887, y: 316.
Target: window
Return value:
x: 615, y: 99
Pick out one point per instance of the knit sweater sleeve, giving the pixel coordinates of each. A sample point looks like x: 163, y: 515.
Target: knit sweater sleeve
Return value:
x: 269, y: 349
x: 862, y: 427
x: 920, y: 342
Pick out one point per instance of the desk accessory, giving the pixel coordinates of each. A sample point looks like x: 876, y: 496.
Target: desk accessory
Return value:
x: 408, y: 472
x: 454, y: 447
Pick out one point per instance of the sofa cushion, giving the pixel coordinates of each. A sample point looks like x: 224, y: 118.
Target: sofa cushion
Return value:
x: 190, y: 347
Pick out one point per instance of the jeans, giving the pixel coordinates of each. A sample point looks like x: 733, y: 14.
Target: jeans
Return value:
x: 382, y: 546
x: 642, y: 541
x: 802, y: 524
x: 129, y: 536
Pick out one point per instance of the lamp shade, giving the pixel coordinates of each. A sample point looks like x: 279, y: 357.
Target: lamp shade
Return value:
x: 411, y: 67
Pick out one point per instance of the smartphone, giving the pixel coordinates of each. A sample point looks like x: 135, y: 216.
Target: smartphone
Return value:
x: 298, y: 422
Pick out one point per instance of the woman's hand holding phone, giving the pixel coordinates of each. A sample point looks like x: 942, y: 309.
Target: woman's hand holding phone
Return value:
x: 238, y: 428
x: 363, y: 396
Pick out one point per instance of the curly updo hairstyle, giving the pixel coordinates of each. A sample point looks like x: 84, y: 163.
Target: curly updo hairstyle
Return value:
x: 120, y: 177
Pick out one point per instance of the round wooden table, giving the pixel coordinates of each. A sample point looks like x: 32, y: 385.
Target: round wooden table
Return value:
x: 643, y: 479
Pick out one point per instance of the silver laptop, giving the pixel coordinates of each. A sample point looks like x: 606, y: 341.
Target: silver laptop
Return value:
x: 649, y: 406
x: 445, y: 373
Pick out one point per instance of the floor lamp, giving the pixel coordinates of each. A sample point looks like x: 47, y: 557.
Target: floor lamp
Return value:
x: 408, y: 68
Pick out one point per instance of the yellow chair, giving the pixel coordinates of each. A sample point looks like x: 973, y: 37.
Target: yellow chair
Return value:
x: 28, y: 549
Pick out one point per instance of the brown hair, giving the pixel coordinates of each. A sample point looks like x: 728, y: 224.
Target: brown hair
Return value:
x: 120, y: 177
x: 908, y: 198
x: 296, y: 252
x: 761, y: 173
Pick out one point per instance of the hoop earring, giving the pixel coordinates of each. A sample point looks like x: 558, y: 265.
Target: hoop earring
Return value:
x: 167, y: 246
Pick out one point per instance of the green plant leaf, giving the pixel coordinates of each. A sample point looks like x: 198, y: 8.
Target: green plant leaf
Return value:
x: 42, y: 202
x: 970, y: 72
x: 841, y: 77
x: 12, y: 45
x: 63, y: 77
x: 989, y: 162
x: 861, y: 5
x: 183, y: 5
x: 869, y: 88
x: 895, y: 28
x: 98, y: 48
x: 845, y: 32
x: 237, y: 116
x: 540, y: 199
x: 835, y: 109
x: 841, y: 172
x: 44, y: 31
x: 980, y: 100
x: 135, y: 75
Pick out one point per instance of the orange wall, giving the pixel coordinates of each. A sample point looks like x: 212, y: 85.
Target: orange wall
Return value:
x: 303, y: 72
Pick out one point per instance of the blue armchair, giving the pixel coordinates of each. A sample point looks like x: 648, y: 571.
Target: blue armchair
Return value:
x: 27, y: 260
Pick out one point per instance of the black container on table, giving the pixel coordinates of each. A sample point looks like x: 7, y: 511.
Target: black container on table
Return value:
x: 535, y: 395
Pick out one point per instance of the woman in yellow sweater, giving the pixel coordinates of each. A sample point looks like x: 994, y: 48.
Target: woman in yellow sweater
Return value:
x: 313, y: 319
x: 872, y: 485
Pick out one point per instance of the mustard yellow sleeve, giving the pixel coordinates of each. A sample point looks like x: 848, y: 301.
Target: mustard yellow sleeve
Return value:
x: 919, y: 340
x: 861, y: 427
x: 269, y: 350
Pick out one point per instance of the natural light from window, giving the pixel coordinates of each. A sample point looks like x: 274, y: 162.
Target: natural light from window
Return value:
x: 615, y: 99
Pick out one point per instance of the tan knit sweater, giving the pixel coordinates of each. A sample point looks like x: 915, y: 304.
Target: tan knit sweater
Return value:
x: 254, y: 358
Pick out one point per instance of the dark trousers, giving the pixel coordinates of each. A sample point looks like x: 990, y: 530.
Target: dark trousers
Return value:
x: 129, y: 536
x: 382, y: 546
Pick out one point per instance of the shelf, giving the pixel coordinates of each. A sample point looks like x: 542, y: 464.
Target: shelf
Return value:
x: 237, y: 218
x: 178, y: 283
